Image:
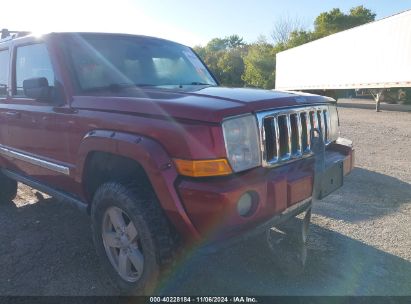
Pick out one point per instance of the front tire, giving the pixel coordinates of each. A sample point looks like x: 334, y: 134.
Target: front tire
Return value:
x: 132, y: 236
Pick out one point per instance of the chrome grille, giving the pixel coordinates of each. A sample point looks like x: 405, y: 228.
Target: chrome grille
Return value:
x: 285, y: 133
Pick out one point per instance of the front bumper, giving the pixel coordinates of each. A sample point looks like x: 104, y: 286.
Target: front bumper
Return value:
x: 211, y: 203
x: 212, y: 245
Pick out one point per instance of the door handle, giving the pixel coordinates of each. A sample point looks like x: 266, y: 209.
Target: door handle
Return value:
x: 13, y: 114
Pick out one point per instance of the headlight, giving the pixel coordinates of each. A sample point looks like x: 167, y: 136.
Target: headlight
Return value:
x: 242, y: 142
x: 334, y: 122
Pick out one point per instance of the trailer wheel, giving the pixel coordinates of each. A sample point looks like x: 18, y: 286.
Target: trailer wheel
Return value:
x: 402, y: 96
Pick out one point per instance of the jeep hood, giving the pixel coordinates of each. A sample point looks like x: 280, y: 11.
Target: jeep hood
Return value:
x: 210, y: 104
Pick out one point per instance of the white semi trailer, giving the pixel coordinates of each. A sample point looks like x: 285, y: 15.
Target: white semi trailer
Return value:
x: 375, y: 56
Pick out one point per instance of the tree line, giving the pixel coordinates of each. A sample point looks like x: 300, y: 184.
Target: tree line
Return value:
x: 236, y: 63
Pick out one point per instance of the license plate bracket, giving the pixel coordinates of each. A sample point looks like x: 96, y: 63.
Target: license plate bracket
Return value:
x: 332, y: 179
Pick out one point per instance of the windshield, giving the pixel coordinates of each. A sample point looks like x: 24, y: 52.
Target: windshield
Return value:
x: 108, y: 61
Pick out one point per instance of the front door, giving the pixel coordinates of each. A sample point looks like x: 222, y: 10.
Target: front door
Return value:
x: 35, y: 133
x: 4, y: 89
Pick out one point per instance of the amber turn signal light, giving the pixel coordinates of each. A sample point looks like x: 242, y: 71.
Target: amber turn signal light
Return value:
x: 202, y: 168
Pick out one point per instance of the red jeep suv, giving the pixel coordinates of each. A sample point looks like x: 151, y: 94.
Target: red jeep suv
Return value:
x: 137, y: 132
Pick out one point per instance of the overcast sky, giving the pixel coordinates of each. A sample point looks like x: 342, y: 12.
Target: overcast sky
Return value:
x: 187, y: 21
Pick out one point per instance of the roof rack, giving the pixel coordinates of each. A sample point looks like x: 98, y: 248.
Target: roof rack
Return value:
x: 5, y: 33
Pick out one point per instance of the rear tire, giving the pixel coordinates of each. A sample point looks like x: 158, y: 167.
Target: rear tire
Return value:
x: 146, y: 250
x: 8, y: 189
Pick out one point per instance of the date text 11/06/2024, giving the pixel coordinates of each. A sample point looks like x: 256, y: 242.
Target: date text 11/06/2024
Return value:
x: 186, y: 299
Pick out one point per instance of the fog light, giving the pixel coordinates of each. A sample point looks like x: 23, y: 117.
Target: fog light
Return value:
x: 246, y: 204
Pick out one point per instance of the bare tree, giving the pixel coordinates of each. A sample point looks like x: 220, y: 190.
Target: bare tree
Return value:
x: 284, y: 26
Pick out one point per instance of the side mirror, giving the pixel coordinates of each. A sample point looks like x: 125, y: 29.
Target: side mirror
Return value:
x: 37, y: 88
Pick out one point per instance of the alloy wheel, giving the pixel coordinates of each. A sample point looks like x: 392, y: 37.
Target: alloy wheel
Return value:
x: 122, y: 244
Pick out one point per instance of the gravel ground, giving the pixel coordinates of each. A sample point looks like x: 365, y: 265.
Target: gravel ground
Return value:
x: 359, y: 241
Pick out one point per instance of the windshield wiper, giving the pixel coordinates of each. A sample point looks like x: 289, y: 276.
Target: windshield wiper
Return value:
x: 145, y: 85
x: 110, y: 87
x: 119, y: 86
x: 201, y: 83
x: 196, y: 83
x: 114, y: 87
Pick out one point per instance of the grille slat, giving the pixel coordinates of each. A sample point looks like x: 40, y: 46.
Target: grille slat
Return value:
x: 326, y: 125
x: 315, y: 119
x: 277, y: 138
x: 309, y: 127
x: 304, y: 131
x: 289, y: 137
x: 321, y: 122
x: 286, y: 132
x: 295, y: 135
x: 283, y: 135
x: 300, y: 137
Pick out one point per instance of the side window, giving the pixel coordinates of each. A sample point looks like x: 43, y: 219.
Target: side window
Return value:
x: 32, y: 61
x: 4, y: 72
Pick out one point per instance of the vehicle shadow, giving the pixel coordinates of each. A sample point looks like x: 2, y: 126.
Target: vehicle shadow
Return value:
x: 365, y: 195
x: 338, y: 266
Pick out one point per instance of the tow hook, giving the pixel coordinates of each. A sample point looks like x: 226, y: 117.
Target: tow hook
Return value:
x: 288, y: 244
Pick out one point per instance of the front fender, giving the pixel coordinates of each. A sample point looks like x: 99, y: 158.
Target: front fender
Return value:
x: 154, y: 160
